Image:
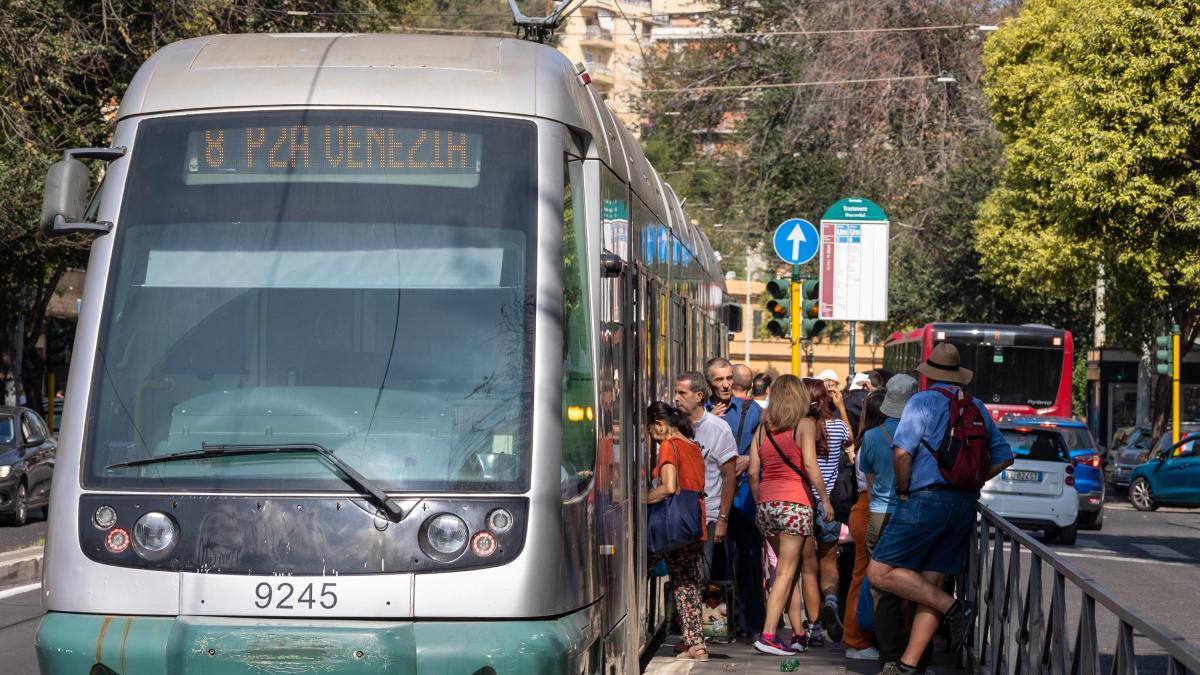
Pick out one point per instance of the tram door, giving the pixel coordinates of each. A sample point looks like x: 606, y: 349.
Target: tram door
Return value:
x: 619, y: 545
x: 640, y: 371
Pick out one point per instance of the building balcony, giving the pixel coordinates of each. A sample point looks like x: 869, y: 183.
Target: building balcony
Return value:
x: 597, y: 37
x: 601, y: 74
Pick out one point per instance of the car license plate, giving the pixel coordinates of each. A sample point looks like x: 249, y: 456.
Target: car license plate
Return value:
x: 1030, y: 476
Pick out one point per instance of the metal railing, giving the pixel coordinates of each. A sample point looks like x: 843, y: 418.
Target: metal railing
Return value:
x: 1015, y: 632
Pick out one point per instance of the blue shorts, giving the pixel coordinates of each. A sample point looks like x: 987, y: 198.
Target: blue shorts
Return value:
x: 929, y: 532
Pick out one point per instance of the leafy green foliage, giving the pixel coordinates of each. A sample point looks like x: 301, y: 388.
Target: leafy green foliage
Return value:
x: 750, y: 158
x: 63, y: 68
x: 1097, y: 101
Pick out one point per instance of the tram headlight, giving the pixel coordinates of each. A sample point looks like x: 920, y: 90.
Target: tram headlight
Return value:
x: 154, y: 535
x: 444, y: 536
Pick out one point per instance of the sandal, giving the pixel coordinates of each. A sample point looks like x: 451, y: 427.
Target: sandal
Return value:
x: 693, y: 653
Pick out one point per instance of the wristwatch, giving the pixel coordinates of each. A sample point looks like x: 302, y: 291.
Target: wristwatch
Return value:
x: 722, y: 516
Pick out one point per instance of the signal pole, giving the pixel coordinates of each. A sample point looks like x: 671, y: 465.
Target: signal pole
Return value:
x: 1175, y: 383
x: 1167, y: 363
x: 797, y: 319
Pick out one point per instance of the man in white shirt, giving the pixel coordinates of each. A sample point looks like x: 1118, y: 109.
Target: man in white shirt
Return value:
x: 719, y: 451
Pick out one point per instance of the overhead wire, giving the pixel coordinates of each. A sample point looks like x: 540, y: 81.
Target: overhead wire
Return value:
x: 783, y: 85
x: 709, y: 34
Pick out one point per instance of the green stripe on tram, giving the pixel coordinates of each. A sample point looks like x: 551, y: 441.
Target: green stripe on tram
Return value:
x: 76, y: 643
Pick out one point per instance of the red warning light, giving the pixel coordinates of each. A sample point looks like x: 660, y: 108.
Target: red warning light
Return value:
x: 117, y: 540
x: 483, y: 544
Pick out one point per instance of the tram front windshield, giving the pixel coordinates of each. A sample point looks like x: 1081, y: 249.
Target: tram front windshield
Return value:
x: 361, y: 280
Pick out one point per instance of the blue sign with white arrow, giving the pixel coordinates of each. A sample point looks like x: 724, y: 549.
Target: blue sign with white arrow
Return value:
x: 796, y: 241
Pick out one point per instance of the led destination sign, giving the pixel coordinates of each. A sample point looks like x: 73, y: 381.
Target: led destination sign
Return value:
x: 341, y: 153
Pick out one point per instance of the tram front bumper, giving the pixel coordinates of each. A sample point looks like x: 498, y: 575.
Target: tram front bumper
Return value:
x: 78, y: 643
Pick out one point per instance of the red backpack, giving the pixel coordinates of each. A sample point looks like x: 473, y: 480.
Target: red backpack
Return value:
x: 963, y: 456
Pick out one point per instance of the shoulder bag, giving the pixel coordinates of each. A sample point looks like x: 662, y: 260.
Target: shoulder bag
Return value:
x: 676, y: 521
x: 743, y: 500
x: 790, y: 465
x: 845, y: 489
x: 825, y: 532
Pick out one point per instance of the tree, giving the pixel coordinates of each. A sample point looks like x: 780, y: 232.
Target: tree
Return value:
x: 753, y: 154
x: 1097, y: 104
x: 63, y: 68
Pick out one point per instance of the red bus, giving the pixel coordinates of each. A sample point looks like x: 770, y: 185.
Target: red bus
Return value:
x: 1018, y: 369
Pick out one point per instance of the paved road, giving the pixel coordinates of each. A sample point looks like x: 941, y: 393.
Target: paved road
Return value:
x: 32, y: 534
x: 19, y: 614
x: 1149, y: 560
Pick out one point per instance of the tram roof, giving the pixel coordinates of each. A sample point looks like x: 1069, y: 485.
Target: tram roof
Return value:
x: 330, y: 69
x: 443, y: 72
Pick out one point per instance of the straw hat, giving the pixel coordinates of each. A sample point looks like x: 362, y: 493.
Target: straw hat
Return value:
x: 899, y: 389
x: 942, y: 365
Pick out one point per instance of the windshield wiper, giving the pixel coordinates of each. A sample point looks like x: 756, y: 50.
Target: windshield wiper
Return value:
x: 352, y: 477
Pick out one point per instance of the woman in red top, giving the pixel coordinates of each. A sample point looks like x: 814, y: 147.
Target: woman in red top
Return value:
x: 680, y: 467
x: 784, y: 499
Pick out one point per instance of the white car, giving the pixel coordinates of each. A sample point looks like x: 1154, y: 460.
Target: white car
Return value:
x: 1038, y: 491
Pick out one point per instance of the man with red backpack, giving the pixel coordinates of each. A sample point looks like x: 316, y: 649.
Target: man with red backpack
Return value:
x: 945, y: 448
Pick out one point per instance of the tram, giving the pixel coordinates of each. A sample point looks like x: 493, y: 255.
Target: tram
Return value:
x: 369, y: 329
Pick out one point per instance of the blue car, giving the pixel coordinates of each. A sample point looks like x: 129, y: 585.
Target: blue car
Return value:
x: 1171, y: 477
x: 1089, y: 472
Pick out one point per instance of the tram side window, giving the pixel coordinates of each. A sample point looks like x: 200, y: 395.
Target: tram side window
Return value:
x: 678, y: 331
x: 579, y: 429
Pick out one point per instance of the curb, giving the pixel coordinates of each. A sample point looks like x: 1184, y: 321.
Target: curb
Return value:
x: 20, y: 567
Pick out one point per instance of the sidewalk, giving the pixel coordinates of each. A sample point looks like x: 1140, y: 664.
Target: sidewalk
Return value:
x: 22, y: 566
x: 740, y: 657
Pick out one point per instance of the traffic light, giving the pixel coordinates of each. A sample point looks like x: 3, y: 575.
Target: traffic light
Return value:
x: 60, y: 336
x: 811, y: 313
x: 779, y: 307
x: 1164, y: 360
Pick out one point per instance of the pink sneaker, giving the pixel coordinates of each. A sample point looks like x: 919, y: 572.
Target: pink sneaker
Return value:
x: 773, y: 646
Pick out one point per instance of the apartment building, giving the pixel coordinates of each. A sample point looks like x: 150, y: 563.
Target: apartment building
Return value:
x: 613, y: 37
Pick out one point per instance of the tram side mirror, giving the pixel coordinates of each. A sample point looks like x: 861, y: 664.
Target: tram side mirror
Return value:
x: 64, y: 201
x: 733, y: 316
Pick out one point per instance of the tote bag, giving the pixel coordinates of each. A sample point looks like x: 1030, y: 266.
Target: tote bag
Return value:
x: 674, y: 522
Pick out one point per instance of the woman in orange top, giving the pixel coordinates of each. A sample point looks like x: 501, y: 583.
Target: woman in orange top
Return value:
x: 784, y: 501
x: 680, y: 467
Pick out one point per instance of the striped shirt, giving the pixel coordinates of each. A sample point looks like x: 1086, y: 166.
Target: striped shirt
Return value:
x: 836, y: 435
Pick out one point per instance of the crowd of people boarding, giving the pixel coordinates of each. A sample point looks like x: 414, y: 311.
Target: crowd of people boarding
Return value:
x: 789, y: 485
